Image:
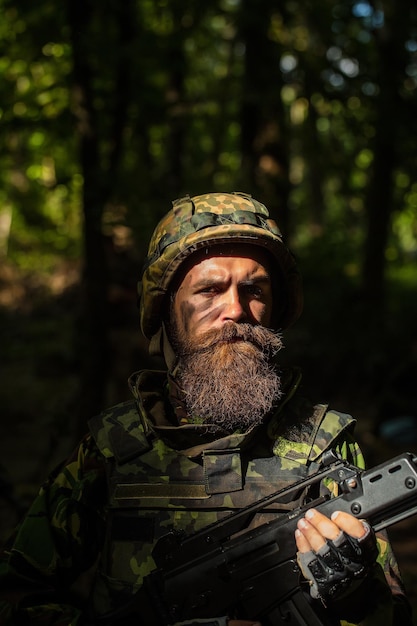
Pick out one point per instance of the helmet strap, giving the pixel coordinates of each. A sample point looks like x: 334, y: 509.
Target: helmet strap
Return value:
x: 161, y: 346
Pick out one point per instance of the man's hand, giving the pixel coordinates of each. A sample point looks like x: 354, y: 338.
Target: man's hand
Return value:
x: 333, y: 553
x: 315, y: 528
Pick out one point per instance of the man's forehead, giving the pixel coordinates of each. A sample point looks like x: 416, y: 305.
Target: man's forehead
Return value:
x: 224, y: 254
x: 255, y: 256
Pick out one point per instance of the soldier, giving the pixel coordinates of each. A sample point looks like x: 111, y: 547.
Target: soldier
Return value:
x: 222, y: 427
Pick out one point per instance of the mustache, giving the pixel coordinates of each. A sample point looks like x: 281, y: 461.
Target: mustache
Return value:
x: 265, y: 339
x: 227, y: 376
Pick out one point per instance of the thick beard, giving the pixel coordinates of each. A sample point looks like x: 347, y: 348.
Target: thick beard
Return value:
x: 227, y: 376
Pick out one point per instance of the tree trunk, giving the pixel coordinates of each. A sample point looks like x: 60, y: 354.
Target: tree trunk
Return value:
x: 93, y: 344
x: 379, y: 202
x: 99, y: 176
x: 175, y: 105
x: 265, y: 153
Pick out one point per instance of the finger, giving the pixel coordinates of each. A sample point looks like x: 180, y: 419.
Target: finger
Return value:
x: 349, y: 524
x: 325, y: 526
x: 311, y: 534
x: 302, y: 542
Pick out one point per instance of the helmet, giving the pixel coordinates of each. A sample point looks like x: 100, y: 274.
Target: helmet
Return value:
x: 204, y: 221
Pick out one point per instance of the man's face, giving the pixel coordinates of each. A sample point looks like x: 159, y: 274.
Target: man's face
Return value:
x: 232, y: 287
x: 219, y: 317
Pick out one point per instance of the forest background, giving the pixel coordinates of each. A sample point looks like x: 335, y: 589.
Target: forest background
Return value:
x: 109, y: 110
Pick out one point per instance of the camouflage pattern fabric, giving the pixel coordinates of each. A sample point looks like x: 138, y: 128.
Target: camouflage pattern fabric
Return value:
x: 143, y: 473
x: 203, y: 221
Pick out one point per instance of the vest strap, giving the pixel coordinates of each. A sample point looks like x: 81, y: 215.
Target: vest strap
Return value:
x: 138, y: 491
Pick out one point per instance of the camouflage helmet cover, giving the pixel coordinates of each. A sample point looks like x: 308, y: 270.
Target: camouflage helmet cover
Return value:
x: 204, y: 221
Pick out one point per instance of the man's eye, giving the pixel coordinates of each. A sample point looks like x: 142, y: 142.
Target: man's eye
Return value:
x: 254, y: 290
x: 209, y: 290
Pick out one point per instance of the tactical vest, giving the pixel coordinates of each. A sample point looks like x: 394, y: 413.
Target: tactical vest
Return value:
x: 179, y: 477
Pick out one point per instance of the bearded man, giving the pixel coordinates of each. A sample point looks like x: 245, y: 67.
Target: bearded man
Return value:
x: 223, y: 427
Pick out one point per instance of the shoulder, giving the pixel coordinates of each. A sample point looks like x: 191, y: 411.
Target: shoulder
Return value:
x: 127, y: 429
x: 118, y: 432
x: 305, y: 430
x: 79, y: 478
x: 333, y: 428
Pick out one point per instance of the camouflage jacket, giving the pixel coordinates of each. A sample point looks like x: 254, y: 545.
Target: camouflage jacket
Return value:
x: 86, y: 543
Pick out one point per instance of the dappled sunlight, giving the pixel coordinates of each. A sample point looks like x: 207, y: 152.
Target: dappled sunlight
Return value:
x: 22, y: 290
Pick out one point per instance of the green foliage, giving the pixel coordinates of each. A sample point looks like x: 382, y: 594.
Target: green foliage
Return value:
x: 40, y: 185
x: 184, y: 66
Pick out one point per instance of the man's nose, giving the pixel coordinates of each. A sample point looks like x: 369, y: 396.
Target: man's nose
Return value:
x: 234, y: 306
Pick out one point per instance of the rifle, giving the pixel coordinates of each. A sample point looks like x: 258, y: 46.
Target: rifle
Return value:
x: 228, y: 569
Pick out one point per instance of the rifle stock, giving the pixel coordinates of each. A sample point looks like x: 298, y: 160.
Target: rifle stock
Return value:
x: 254, y: 574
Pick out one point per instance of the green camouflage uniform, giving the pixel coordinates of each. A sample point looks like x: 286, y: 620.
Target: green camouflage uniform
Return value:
x: 88, y: 537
